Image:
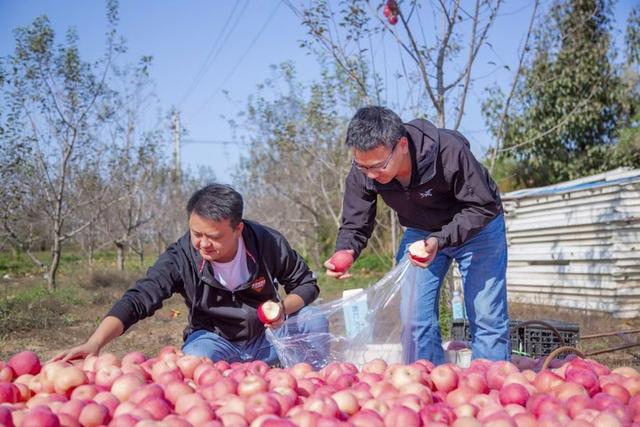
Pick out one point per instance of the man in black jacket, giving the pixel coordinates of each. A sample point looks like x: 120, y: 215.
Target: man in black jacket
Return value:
x: 225, y: 268
x: 446, y: 199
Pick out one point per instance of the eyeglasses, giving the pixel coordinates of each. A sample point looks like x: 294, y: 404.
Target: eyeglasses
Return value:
x: 366, y: 169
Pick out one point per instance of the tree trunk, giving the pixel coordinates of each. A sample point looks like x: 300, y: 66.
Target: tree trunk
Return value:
x: 120, y: 256
x: 55, y: 263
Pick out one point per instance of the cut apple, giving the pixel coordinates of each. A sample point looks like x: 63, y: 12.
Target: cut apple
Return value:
x: 418, y: 252
x: 269, y: 312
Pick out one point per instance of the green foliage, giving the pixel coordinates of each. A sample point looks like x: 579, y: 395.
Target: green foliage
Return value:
x: 570, y: 103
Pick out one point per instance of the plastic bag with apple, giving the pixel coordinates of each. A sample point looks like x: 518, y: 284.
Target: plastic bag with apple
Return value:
x: 373, y: 323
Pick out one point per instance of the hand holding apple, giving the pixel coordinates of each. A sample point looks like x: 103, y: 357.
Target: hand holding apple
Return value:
x: 271, y: 313
x: 422, y: 252
x: 340, y: 262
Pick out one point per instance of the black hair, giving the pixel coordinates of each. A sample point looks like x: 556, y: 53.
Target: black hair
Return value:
x: 217, y: 202
x: 373, y: 126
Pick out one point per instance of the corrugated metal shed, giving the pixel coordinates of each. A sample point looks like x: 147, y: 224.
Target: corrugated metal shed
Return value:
x: 577, y: 244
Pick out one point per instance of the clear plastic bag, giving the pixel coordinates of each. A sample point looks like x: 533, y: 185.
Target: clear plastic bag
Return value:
x: 374, y: 323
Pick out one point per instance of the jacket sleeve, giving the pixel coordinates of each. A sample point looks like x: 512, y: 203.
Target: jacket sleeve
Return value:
x: 292, y: 272
x: 163, y: 279
x: 472, y: 187
x: 358, y: 213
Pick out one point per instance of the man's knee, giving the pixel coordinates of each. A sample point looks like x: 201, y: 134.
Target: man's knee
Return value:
x: 209, y: 344
x: 311, y: 319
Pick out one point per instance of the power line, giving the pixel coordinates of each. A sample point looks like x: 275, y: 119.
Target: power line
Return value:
x: 237, y: 64
x: 213, y: 142
x: 215, y: 49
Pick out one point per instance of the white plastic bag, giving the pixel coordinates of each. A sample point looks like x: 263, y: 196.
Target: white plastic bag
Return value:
x: 374, y: 323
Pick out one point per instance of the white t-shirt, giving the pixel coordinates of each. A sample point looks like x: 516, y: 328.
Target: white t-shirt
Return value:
x: 235, y: 272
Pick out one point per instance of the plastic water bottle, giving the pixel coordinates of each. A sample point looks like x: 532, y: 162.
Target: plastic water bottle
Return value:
x: 457, y: 308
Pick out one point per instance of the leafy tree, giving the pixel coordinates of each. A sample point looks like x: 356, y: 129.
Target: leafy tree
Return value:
x: 570, y: 103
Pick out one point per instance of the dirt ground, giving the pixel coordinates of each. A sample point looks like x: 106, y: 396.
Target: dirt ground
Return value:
x: 165, y: 328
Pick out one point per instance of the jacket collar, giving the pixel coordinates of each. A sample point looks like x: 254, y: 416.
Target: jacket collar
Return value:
x: 205, y: 269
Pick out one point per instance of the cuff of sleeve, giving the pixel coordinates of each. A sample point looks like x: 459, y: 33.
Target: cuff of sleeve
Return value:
x: 308, y: 293
x: 442, y: 242
x: 122, y: 311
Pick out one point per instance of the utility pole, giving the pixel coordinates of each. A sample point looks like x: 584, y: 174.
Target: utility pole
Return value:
x: 176, y: 146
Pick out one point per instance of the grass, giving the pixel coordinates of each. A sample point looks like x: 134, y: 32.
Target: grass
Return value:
x: 33, y: 307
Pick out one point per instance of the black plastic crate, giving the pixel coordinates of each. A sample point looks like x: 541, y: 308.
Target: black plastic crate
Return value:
x: 531, y: 339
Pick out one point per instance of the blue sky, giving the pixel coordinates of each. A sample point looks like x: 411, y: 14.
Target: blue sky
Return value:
x: 181, y: 35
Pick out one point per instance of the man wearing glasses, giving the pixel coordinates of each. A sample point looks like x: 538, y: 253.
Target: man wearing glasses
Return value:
x: 446, y: 199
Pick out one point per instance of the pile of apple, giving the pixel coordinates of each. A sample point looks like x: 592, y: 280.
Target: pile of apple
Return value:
x: 174, y: 389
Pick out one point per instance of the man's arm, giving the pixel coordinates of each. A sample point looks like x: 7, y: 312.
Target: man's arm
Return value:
x: 109, y: 329
x: 141, y: 301
x: 358, y: 214
x: 471, y: 186
x: 163, y: 279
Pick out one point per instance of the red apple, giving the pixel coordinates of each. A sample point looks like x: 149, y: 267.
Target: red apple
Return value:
x: 93, y: 415
x: 218, y: 389
x: 106, y: 375
x: 375, y: 366
x: 260, y: 404
x: 6, y: 373
x: 437, y: 413
x: 405, y: 375
x: 286, y: 397
x: 25, y: 362
x: 497, y: 373
x: 514, y: 393
x: 187, y: 401
x: 346, y: 401
x: 269, y: 312
x: 417, y: 250
x: 444, y: 378
x: 124, y: 385
x: 402, y: 416
x: 378, y: 406
x: 158, y: 407
x: 133, y: 358
x: 617, y: 391
x: 342, y: 260
x: 175, y: 389
x: 251, y: 385
x: 465, y: 410
x: 585, y: 377
x: 299, y: 370
x: 40, y: 417
x: 325, y: 406
x: 9, y: 393
x: 280, y: 378
x: 366, y: 418
x: 107, y: 399
x: 234, y: 404
x: 200, y: 414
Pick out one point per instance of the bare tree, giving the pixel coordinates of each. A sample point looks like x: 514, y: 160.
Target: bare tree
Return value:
x: 133, y: 157
x: 442, y: 71
x: 59, y: 98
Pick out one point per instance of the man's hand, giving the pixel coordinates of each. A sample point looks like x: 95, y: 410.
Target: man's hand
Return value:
x: 79, y: 352
x: 431, y: 249
x: 339, y: 264
x: 279, y: 321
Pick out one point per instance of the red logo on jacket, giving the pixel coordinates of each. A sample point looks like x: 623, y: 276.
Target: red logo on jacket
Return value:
x: 258, y: 284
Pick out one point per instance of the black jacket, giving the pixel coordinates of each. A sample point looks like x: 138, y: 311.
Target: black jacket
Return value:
x: 231, y: 314
x: 450, y: 194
